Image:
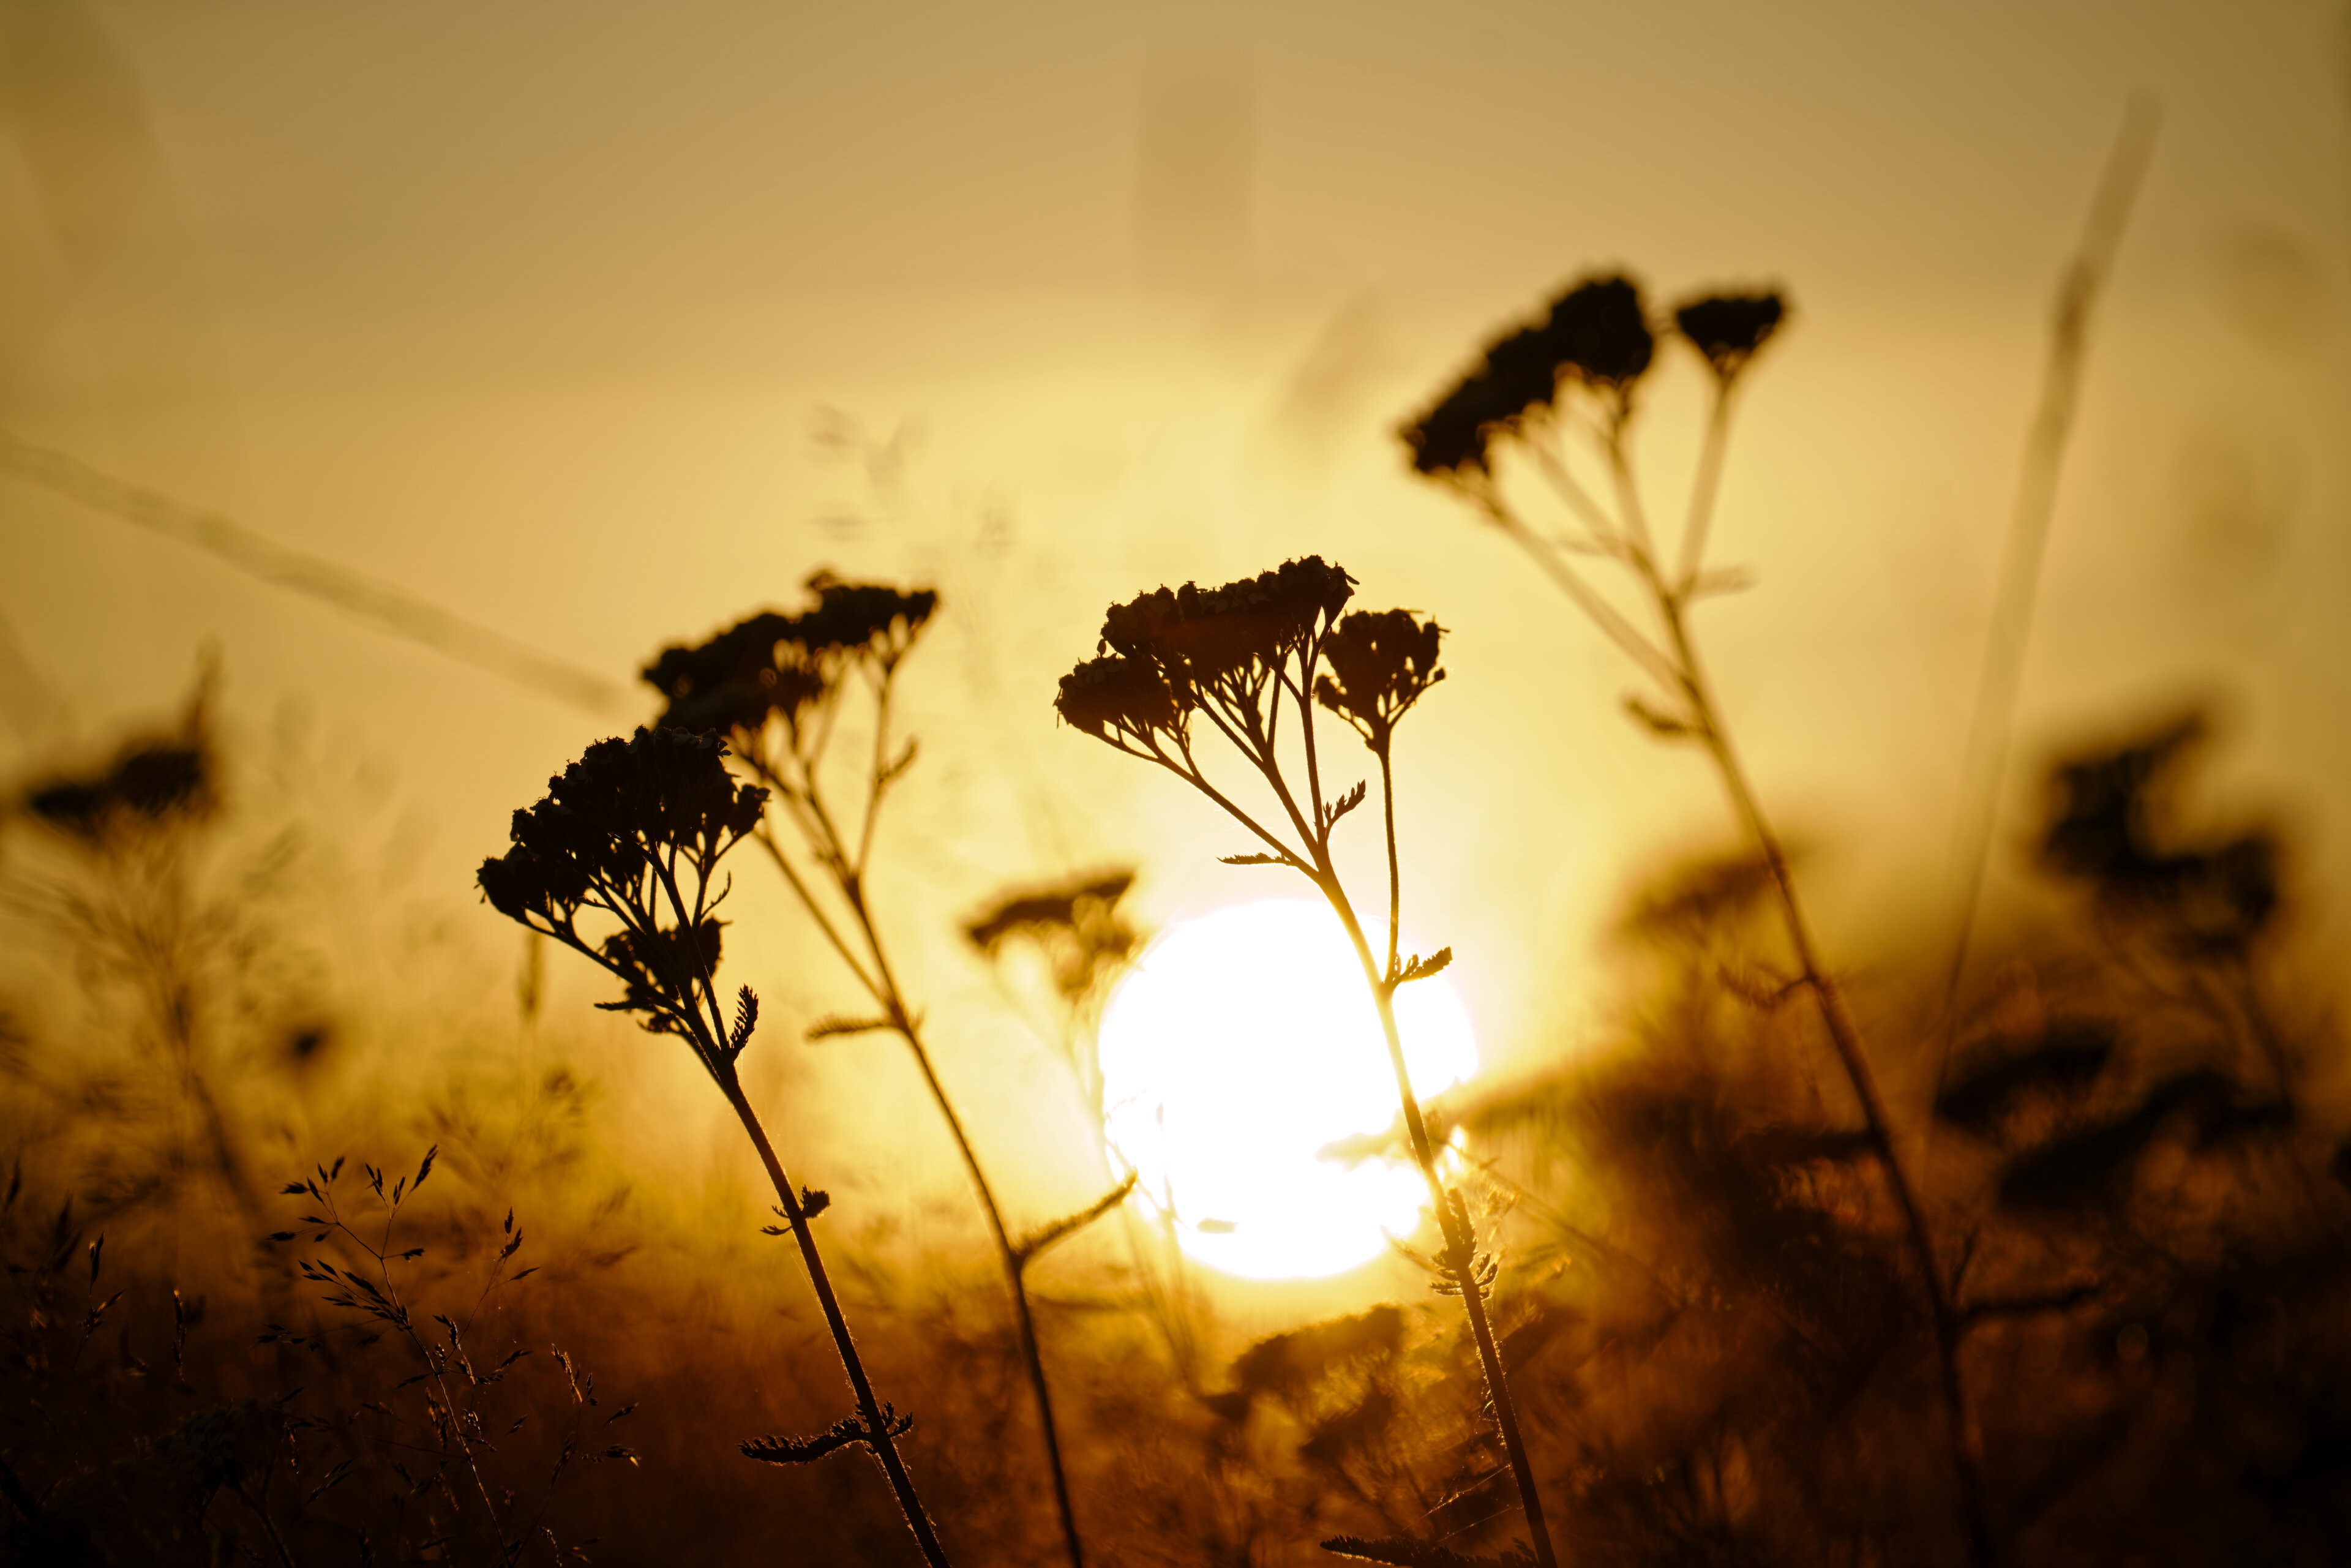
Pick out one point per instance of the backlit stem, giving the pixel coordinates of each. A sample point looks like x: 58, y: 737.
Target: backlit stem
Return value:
x: 869, y: 1408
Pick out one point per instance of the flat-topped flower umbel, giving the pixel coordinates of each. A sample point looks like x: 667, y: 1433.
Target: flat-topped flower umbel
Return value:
x: 624, y: 832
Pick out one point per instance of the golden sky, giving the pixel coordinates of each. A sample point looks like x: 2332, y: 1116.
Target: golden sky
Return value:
x: 603, y: 324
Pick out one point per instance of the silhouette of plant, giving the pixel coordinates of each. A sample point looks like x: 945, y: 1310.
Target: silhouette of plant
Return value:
x: 774, y: 685
x: 1077, y: 927
x: 1572, y: 380
x: 453, y: 1436
x: 1226, y: 660
x: 119, y: 863
x: 630, y: 836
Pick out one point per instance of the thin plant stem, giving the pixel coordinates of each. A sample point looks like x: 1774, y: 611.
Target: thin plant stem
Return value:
x: 688, y: 1004
x: 877, y: 1428
x: 1395, y: 876
x: 1991, y: 720
x: 1701, y: 716
x: 1704, y: 487
x: 904, y: 1024
x: 260, y: 1507
x: 1845, y: 1035
x: 435, y: 1367
x: 1460, y: 1254
x: 1242, y: 709
x: 1453, y: 1219
x: 875, y: 975
x: 1602, y: 614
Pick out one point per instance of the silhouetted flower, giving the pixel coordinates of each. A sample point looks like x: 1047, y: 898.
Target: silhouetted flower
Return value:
x: 1118, y: 696
x: 1595, y: 332
x: 734, y: 679
x: 1381, y: 662
x: 623, y: 830
x: 1076, y: 923
x: 1522, y: 369
x: 1168, y: 651
x: 1599, y: 332
x: 2102, y: 827
x: 1728, y: 329
x: 784, y: 664
x: 1454, y: 434
x: 864, y: 618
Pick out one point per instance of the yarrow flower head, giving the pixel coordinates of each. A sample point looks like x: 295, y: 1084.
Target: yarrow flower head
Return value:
x: 785, y: 665
x: 864, y: 620
x: 1381, y: 662
x: 1076, y: 923
x: 1163, y: 652
x: 1599, y: 333
x: 1595, y: 333
x: 1119, y: 695
x: 622, y: 831
x: 1729, y: 328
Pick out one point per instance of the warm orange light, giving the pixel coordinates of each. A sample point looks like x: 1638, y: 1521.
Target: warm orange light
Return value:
x: 1240, y: 1049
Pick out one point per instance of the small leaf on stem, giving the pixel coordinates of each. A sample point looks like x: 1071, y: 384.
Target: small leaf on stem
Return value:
x: 1421, y: 968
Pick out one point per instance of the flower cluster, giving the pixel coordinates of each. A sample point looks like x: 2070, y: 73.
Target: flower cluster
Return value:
x: 1075, y: 923
x: 1596, y: 335
x: 1381, y: 662
x: 612, y: 834
x: 779, y: 663
x: 1728, y: 329
x: 1165, y: 653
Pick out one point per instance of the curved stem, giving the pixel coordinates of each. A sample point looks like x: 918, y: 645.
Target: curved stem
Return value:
x: 1260, y: 753
x: 1552, y: 460
x: 878, y: 1439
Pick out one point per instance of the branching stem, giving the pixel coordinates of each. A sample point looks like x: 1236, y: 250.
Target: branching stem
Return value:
x: 868, y: 960
x: 1311, y: 857
x: 1678, y: 667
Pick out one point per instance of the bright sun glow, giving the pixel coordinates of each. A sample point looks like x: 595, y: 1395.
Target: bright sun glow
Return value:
x: 1242, y: 1046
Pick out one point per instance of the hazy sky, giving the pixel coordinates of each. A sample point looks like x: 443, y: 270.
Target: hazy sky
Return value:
x: 532, y: 310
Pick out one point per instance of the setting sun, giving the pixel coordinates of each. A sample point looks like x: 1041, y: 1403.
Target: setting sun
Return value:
x: 1241, y: 1049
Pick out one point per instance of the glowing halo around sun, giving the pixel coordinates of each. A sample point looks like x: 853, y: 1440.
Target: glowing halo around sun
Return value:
x: 1243, y: 1046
